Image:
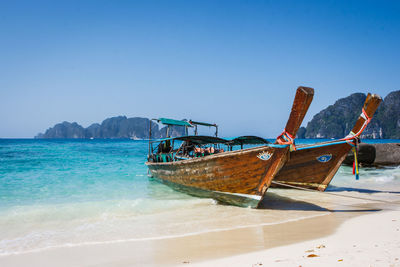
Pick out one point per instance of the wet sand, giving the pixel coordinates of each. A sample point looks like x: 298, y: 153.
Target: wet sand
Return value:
x: 180, y: 250
x: 240, y: 247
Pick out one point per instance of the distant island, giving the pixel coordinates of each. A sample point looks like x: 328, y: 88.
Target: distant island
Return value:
x: 335, y: 121
x: 119, y: 127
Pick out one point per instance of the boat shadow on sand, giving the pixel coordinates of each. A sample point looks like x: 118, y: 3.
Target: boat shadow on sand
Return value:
x: 359, y: 190
x: 278, y: 202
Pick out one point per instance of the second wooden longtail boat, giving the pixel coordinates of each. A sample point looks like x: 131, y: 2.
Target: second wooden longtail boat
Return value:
x: 238, y: 177
x: 314, y: 166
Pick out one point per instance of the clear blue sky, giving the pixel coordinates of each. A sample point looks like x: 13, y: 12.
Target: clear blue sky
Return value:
x: 235, y: 63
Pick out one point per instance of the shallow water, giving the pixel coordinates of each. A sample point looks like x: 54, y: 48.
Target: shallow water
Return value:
x: 56, y: 193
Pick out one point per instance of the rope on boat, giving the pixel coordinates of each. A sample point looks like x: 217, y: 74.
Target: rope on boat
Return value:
x: 367, y: 120
x: 355, y: 163
x: 289, y: 140
x: 331, y: 193
x: 349, y: 139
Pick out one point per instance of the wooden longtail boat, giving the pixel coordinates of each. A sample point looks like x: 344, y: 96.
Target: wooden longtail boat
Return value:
x: 238, y: 177
x: 313, y: 166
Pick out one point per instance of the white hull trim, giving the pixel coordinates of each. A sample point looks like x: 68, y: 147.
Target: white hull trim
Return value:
x: 240, y: 195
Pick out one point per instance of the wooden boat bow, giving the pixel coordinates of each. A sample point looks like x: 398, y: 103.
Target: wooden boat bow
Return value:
x: 313, y: 166
x: 301, y: 103
x: 371, y: 104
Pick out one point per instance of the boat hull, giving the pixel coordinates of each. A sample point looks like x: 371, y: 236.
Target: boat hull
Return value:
x: 235, y: 177
x: 241, y: 200
x: 312, y: 168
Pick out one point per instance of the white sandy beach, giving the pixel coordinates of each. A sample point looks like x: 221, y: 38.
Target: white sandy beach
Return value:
x: 357, y: 237
x: 369, y: 240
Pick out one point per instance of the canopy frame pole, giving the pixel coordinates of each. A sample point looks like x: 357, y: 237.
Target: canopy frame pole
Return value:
x: 150, y: 150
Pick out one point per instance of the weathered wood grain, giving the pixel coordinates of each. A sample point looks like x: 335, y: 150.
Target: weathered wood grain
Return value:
x: 305, y: 171
x: 231, y: 176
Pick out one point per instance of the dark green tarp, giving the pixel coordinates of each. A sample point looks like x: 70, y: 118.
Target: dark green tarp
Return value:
x: 202, y: 139
x: 248, y: 140
x: 203, y: 123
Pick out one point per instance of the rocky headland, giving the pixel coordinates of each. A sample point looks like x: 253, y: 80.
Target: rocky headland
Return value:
x: 337, y: 120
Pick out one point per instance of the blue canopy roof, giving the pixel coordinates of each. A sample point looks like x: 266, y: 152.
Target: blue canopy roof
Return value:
x: 174, y: 122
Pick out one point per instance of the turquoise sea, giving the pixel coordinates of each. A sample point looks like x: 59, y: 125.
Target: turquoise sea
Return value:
x: 62, y: 193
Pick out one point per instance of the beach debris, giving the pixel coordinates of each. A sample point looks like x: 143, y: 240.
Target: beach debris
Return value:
x: 321, y: 246
x: 257, y: 264
x: 186, y: 262
x: 340, y: 260
x: 312, y: 256
x: 310, y: 250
